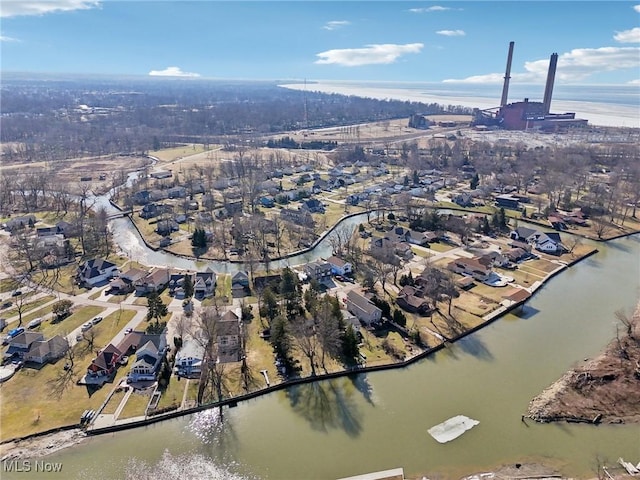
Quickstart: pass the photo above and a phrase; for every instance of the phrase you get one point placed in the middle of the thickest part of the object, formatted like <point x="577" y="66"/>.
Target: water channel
<point x="379" y="420"/>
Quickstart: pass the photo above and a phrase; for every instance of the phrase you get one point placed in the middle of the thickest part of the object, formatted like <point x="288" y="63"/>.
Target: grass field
<point x="136" y="404"/>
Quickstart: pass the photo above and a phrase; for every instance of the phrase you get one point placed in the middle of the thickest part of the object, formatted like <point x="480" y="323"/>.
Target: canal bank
<point x="378" y="420"/>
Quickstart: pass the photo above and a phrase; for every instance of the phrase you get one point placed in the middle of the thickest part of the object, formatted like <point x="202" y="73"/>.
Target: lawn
<point x="170" y="154"/>
<point x="31" y="402"/>
<point x="172" y="394"/>
<point x="8" y="284"/>
<point x="136" y="404"/>
<point x="80" y="316"/>
<point x="113" y="403"/>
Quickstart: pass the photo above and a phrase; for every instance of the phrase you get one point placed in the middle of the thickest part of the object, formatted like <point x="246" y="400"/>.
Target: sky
<point x="392" y="41"/>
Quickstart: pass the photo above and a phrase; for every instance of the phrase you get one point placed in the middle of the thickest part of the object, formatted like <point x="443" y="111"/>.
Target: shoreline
<point x="37" y="444"/>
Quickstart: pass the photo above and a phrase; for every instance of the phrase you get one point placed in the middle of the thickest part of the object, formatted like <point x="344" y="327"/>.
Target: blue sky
<point x="410" y="41"/>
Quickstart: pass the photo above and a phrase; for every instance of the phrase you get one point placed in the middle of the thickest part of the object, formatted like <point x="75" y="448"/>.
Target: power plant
<point x="527" y="115"/>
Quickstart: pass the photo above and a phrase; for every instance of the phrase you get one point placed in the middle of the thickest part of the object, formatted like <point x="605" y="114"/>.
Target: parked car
<point x="17" y="293"/>
<point x="96" y="320"/>
<point x="7" y="304"/>
<point x="15" y="332"/>
<point x="79" y="337"/>
<point x="86" y="326"/>
<point x="36" y="322"/>
<point x="128" y="330"/>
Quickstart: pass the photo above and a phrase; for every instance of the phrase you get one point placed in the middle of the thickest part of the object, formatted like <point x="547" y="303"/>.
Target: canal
<point x="378" y="421"/>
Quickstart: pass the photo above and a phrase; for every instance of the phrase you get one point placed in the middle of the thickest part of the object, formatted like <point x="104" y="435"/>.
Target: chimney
<point x="551" y="76"/>
<point x="507" y="76"/>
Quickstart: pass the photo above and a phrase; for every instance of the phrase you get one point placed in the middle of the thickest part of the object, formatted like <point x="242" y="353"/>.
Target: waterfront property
<point x="363" y="308"/>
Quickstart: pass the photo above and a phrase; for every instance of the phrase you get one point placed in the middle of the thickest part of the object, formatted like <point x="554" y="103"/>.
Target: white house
<point x="95" y="271"/>
<point x="189" y="359"/>
<point x="149" y="357"/>
<point x="339" y="266"/>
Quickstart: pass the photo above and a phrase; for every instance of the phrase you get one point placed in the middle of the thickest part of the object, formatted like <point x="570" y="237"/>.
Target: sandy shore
<point x="41" y="446"/>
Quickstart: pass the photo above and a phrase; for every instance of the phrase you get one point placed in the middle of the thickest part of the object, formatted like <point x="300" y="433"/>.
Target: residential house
<point x="189" y="359"/>
<point x="142" y="197"/>
<point x="318" y="270"/>
<point x="167" y="227"/>
<point x="267" y="202"/>
<point x="412" y="300"/>
<point x="46" y="231"/>
<point x="20" y="344"/>
<point x="240" y="284"/>
<point x="158" y="194"/>
<point x="176" y="284"/>
<point x="240" y="278"/>
<point x="228" y="337"/>
<point x="297" y="216"/>
<point x="381" y="247"/>
<point x="105" y="363"/>
<point x="524" y="234"/>
<point x="154" y="281"/>
<point x="339" y="266"/>
<point x="19" y="223"/>
<point x="160" y="174"/>
<point x="516" y="254"/>
<point x="470" y="267"/>
<point x="464" y="199"/>
<point x="149" y="357"/>
<point x="43" y="351"/>
<point x="125" y="283"/>
<point x="313" y="205"/>
<point x="95" y="271"/>
<point x="205" y="283"/>
<point x="550" y="243"/>
<point x="177" y="192"/>
<point x="319" y="185"/>
<point x="67" y="229"/>
<point x="363" y="308"/>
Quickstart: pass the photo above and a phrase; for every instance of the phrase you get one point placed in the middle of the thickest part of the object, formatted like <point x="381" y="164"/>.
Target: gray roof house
<point x="363" y="308"/>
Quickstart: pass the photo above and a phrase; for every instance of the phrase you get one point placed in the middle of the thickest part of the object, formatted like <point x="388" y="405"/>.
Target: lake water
<point x="379" y="421"/>
<point x="604" y="105"/>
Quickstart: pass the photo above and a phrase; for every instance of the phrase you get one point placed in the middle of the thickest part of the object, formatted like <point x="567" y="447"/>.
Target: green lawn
<point x="8" y="284"/>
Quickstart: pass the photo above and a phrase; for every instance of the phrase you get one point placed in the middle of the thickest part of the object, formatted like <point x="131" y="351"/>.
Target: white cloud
<point x="368" y="55"/>
<point x="172" y="72"/>
<point x="451" y="33"/>
<point x="636" y="8"/>
<point x="634" y="82"/>
<point x="628" y="36"/>
<point x="574" y="66"/>
<point x="14" y="8"/>
<point x="8" y="39"/>
<point x="434" y="8"/>
<point x="335" y="24"/>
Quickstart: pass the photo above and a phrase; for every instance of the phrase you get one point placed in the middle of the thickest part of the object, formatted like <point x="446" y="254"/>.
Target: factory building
<point x="527" y="115"/>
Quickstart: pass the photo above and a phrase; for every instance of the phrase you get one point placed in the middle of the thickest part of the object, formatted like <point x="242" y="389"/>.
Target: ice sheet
<point x="452" y="428"/>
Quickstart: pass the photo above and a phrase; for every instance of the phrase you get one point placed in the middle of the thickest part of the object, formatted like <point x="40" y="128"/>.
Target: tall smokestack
<point x="551" y="76"/>
<point x="507" y="76"/>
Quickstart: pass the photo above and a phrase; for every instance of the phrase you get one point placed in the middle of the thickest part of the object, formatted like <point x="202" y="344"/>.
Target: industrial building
<point x="527" y="115"/>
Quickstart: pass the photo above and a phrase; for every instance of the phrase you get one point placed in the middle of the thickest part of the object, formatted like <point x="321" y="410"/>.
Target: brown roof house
<point x="411" y="299"/>
<point x="228" y="333"/>
<point x="105" y="363"/>
<point x="153" y="282"/>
